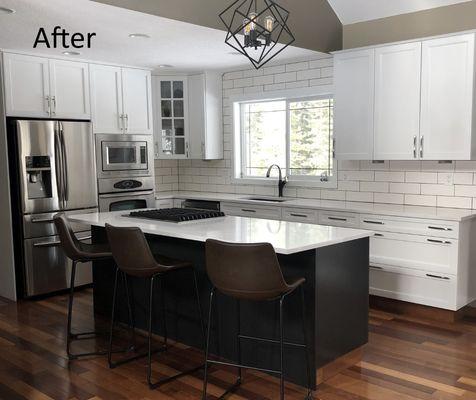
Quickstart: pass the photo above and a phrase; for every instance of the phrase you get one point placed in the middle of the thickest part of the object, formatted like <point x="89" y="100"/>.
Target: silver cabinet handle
<point x="47" y="244"/>
<point x="337" y="219"/>
<point x="374" y="222"/>
<point x="414" y="146"/>
<point x="126" y="116"/>
<point x="186" y="149"/>
<point x="438" y="241"/>
<point x="121" y="121"/>
<point x="41" y="220"/>
<point x="48" y="108"/>
<point x="248" y="210"/>
<point x="378" y="234"/>
<point x="85" y="238"/>
<point x="376" y="268"/>
<point x="298" y="215"/>
<point x="440" y="228"/>
<point x="53" y="101"/>
<point x="438" y="277"/>
<point x="421" y="146"/>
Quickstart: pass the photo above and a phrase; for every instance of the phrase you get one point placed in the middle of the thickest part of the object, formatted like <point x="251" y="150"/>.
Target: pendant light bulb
<point x="269" y="23"/>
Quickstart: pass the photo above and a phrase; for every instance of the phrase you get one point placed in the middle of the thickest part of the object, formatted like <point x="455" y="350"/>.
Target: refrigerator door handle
<point x="58" y="167"/>
<point x="65" y="164"/>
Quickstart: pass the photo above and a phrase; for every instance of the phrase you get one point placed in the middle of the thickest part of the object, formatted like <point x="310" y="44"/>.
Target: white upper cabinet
<point x="121" y="100"/>
<point x="424" y="103"/>
<point x="354" y="104"/>
<point x="397" y="101"/>
<point x="137" y="100"/>
<point x="69" y="83"/>
<point x="106" y="98"/>
<point x="447" y="98"/>
<point x="36" y="87"/>
<point x="27" y="86"/>
<point x="205" y="116"/>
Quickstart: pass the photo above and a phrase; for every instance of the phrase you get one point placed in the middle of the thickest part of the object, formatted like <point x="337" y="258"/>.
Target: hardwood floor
<point x="406" y="358"/>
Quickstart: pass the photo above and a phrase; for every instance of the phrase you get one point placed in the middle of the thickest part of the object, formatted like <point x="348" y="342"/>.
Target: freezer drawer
<point x="39" y="225"/>
<point x="47" y="269"/>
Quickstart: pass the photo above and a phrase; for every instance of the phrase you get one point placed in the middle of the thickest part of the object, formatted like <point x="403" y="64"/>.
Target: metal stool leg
<point x="238" y="317"/>
<point x="149" y="337"/>
<point x="207" y="346"/>
<point x="306" y="348"/>
<point x="70" y="336"/>
<point x="281" y="348"/>
<point x="164" y="310"/>
<point x="130" y="311"/>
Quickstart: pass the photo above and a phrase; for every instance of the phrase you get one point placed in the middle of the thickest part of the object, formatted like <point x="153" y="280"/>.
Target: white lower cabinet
<point x="423" y="261"/>
<point x="253" y="211"/>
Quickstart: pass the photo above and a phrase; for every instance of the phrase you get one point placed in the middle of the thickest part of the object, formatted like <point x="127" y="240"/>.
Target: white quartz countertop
<point x="286" y="237"/>
<point x="439" y="213"/>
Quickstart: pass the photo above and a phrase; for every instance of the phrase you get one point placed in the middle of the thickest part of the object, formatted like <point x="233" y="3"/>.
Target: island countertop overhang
<point x="286" y="237"/>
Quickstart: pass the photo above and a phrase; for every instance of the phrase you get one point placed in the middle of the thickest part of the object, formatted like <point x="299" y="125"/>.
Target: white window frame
<point x="319" y="92"/>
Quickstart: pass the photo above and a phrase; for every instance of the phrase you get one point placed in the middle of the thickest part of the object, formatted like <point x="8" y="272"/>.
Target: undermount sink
<point x="268" y="199"/>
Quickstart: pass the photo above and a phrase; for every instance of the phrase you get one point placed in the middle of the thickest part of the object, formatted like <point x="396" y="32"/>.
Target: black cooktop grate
<point x="176" y="214"/>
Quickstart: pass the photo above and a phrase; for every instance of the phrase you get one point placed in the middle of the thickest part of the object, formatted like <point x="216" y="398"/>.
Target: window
<point x="295" y="133"/>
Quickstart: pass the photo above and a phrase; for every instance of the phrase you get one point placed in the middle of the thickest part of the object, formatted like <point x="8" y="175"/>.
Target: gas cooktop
<point x="176" y="214"/>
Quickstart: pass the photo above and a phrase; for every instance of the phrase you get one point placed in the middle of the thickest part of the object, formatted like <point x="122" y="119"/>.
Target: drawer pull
<point x="376" y="268"/>
<point x="438" y="241"/>
<point x="373" y="222"/>
<point x="85" y="238"/>
<point x="378" y="234"/>
<point x="248" y="210"/>
<point x="438" y="277"/>
<point x="440" y="228"/>
<point x="298" y="215"/>
<point x="42" y="220"/>
<point x="337" y="219"/>
<point x="47" y="244"/>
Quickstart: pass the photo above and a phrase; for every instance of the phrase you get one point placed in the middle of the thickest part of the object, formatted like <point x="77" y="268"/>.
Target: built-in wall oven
<point x="125" y="172"/>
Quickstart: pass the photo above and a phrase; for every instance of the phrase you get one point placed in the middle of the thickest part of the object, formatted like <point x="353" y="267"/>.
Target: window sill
<point x="332" y="184"/>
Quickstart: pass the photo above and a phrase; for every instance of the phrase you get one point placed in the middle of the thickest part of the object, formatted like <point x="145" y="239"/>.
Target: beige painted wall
<point x="437" y="21"/>
<point x="313" y="22"/>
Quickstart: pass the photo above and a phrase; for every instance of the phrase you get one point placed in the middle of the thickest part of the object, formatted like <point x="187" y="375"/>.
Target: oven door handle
<point x="126" y="194"/>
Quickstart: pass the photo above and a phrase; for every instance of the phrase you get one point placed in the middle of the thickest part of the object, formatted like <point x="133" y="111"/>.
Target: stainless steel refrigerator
<point x="52" y="169"/>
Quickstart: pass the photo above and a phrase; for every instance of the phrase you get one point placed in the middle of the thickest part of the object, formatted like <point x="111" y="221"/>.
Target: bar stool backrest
<point x="245" y="271"/>
<point x="130" y="250"/>
<point x="69" y="242"/>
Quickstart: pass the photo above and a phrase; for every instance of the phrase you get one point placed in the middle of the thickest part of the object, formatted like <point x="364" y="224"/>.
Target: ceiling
<point x="352" y="11"/>
<point x="184" y="46"/>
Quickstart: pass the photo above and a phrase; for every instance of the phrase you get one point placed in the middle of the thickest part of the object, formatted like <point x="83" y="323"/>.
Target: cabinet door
<point x="196" y="114"/>
<point x="447" y="98"/>
<point x="397" y="101"/>
<point x="171" y="116"/>
<point x="106" y="99"/>
<point x="69" y="82"/>
<point x="354" y="105"/>
<point x="26" y="86"/>
<point x="136" y="94"/>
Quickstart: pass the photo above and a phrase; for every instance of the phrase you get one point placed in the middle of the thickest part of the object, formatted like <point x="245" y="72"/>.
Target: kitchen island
<point x="334" y="261"/>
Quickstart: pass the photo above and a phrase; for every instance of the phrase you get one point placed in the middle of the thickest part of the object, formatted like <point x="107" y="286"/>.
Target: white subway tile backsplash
<point x="454" y="202"/>
<point x="412" y="182"/>
<point x="420" y="200"/>
<point x="410" y="188"/>
<point x="421" y="177"/>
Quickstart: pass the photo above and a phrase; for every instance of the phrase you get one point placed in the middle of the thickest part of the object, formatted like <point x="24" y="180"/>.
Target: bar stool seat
<point x="251" y="271"/>
<point x="134" y="257"/>
<point x="78" y="252"/>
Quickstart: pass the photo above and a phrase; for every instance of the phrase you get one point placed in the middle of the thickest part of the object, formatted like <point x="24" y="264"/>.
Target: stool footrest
<point x="171" y="378"/>
<point x="115" y="364"/>
<point x="229" y="364"/>
<point x="271" y="341"/>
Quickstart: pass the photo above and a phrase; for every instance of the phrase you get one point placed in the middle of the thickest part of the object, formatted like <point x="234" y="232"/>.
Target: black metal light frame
<point x="272" y="42"/>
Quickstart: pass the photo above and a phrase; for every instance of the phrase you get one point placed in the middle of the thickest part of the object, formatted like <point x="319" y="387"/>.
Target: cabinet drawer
<point x="414" y="252"/>
<point x="164" y="203"/>
<point x="446" y="229"/>
<point x="431" y="289"/>
<point x="300" y="215"/>
<point x="252" y="211"/>
<point x="334" y="218"/>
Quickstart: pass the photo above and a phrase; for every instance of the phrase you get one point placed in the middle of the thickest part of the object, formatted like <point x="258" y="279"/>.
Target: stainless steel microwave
<point x="124" y="155"/>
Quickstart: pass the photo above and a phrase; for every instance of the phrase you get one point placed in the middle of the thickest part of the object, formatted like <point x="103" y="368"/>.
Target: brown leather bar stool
<point x="79" y="252"/>
<point x="134" y="258"/>
<point x="251" y="272"/>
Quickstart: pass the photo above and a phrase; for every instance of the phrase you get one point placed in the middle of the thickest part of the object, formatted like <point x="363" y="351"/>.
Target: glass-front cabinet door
<point x="171" y="110"/>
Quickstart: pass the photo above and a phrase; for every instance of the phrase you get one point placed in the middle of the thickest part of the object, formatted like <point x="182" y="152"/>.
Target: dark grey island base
<point x="336" y="294"/>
